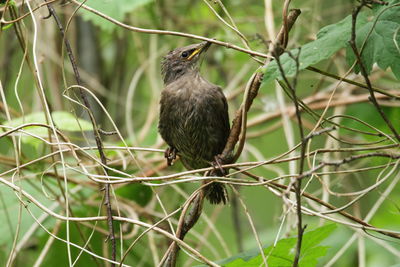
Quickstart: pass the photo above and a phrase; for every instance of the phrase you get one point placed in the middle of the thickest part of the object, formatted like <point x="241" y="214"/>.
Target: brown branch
<point x="321" y="202"/>
<point x="174" y="33"/>
<point x="394" y="95"/>
<point x="227" y="155"/>
<point x="96" y="132"/>
<point x="278" y="49"/>
<point x="297" y="183"/>
<point x="345" y="161"/>
<point x="354" y="99"/>
<point x="186" y="222"/>
<point x="362" y="156"/>
<point x="378" y="2"/>
<point x="16" y="4"/>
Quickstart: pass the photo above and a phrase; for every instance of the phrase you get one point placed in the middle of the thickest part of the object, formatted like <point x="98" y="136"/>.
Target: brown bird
<point x="194" y="119"/>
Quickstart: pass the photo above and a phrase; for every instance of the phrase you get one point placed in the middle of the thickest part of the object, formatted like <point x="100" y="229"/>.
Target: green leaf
<point x="10" y="3"/>
<point x="67" y="122"/>
<point x="116" y="9"/>
<point x="9" y="211"/>
<point x="313" y="238"/>
<point x="7" y="27"/>
<point x="284" y="251"/>
<point x="64" y="121"/>
<point x="382" y="40"/>
<point x="329" y="40"/>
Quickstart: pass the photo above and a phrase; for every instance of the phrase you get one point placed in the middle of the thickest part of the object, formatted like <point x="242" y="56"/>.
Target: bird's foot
<point x="217" y="164"/>
<point x="170" y="155"/>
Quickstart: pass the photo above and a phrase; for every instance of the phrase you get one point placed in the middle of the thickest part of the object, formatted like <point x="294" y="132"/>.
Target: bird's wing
<point x="225" y="115"/>
<point x="165" y="122"/>
<point x="221" y="121"/>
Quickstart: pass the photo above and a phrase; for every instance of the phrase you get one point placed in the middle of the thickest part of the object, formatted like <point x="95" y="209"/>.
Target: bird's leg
<point x="217" y="164"/>
<point x="170" y="155"/>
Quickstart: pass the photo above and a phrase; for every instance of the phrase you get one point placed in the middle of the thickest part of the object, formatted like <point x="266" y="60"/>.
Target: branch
<point x="328" y="205"/>
<point x="238" y="126"/>
<point x="174" y="33"/>
<point x="361" y="85"/>
<point x="304" y="140"/>
<point x="186" y="222"/>
<point x="363" y="70"/>
<point x="96" y="132"/>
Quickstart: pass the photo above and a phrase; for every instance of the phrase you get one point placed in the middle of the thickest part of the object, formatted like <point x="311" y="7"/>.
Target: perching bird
<point x="194" y="119"/>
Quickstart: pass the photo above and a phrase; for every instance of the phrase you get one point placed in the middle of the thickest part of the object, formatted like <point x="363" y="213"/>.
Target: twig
<point x="96" y="132"/>
<point x="103" y="132"/>
<point x="361" y="156"/>
<point x="236" y="130"/>
<point x="364" y="224"/>
<point x="252" y="226"/>
<point x="297" y="182"/>
<point x="277" y="51"/>
<point x="186" y="222"/>
<point x="315" y="104"/>
<point x="161" y="32"/>
<point x="336" y="77"/>
<point x="363" y="70"/>
<point x="237" y="224"/>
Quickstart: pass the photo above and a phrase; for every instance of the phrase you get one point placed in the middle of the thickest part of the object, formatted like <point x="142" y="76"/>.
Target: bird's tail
<point x="216" y="193"/>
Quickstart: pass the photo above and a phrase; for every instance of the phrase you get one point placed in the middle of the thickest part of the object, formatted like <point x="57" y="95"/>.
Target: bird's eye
<point x="185" y="54"/>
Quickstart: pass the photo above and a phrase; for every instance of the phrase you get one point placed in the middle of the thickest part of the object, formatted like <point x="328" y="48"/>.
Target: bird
<point x="194" y="119"/>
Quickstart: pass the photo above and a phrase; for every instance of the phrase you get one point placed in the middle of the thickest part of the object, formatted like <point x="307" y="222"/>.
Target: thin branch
<point x="297" y="182"/>
<point x="96" y="132"/>
<point x="186" y="222"/>
<point x="174" y="33"/>
<point x="254" y="85"/>
<point x="363" y="70"/>
<point x="362" y="85"/>
<point x="364" y="225"/>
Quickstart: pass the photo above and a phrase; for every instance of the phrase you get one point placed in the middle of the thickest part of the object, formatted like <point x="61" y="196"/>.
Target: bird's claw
<point x="170" y="155"/>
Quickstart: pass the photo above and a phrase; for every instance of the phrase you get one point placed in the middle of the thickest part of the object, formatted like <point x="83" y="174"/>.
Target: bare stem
<point x="96" y="133"/>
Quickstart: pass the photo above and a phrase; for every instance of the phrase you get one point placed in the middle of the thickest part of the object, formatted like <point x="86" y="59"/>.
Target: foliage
<point x="379" y="39"/>
<point x="64" y="121"/>
<point x="379" y="33"/>
<point x="283" y="253"/>
<point x="12" y="214"/>
<point x="329" y="40"/>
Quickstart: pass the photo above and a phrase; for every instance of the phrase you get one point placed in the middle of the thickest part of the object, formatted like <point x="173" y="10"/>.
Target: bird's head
<point x="181" y="61"/>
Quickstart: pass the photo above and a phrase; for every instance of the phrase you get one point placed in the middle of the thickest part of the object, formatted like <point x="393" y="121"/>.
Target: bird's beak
<point x="202" y="47"/>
